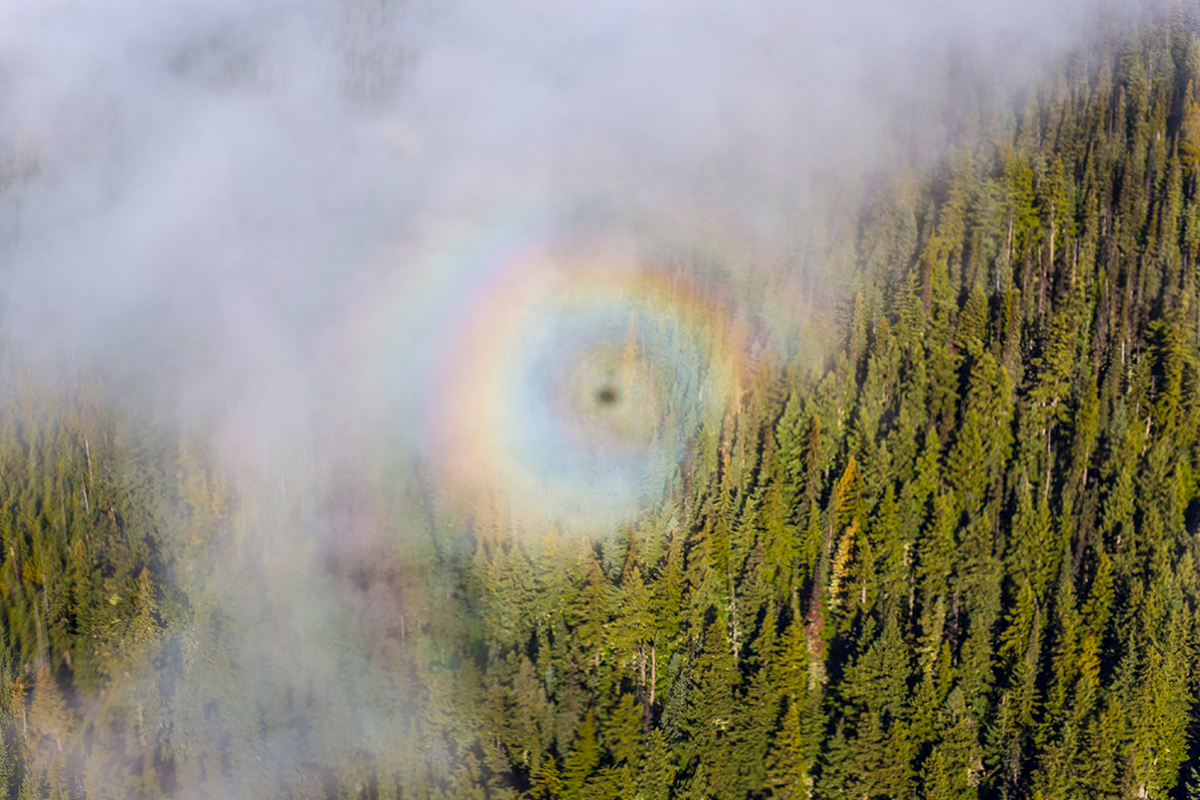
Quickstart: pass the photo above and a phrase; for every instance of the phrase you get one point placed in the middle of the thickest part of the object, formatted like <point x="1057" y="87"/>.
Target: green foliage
<point x="955" y="561"/>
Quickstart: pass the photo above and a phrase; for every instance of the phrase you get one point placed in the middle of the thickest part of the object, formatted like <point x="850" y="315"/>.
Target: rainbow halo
<point x="568" y="382"/>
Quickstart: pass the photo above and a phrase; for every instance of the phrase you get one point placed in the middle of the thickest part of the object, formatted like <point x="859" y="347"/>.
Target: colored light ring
<point x="570" y="383"/>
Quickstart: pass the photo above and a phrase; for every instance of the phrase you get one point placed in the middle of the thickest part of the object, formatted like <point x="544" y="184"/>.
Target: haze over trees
<point x="961" y="558"/>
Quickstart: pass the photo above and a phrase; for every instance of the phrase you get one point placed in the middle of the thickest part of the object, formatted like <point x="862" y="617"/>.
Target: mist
<point x="265" y="224"/>
<point x="200" y="198"/>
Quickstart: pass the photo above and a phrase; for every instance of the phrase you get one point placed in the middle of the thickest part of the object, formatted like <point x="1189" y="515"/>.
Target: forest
<point x="960" y="557"/>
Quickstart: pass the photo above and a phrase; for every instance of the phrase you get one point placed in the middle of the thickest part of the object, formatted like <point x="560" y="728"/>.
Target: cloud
<point x="197" y="155"/>
<point x="187" y="184"/>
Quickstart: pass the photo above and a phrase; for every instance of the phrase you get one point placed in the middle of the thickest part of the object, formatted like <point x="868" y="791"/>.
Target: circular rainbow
<point x="564" y="381"/>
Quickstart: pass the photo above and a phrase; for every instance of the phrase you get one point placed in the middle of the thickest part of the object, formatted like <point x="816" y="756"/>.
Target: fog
<point x="200" y="198"/>
<point x="270" y="221"/>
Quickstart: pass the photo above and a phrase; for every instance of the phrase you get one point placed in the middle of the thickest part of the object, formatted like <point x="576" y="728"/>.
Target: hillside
<point x="960" y="558"/>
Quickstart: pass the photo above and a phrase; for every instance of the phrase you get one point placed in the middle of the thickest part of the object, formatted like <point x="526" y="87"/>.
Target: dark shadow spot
<point x="607" y="395"/>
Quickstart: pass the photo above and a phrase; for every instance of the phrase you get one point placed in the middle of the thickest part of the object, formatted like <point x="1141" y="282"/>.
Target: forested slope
<point x="959" y="559"/>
